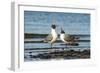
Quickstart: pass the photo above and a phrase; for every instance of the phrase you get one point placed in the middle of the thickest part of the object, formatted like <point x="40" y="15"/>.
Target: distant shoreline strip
<point x="35" y="35"/>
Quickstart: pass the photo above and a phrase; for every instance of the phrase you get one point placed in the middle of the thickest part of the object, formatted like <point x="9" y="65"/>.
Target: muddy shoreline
<point x="67" y="54"/>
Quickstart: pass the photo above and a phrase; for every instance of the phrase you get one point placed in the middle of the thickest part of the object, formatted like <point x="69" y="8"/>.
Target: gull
<point x="68" y="39"/>
<point x="51" y="38"/>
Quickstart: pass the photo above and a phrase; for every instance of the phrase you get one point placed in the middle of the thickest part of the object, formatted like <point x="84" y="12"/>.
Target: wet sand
<point x="65" y="54"/>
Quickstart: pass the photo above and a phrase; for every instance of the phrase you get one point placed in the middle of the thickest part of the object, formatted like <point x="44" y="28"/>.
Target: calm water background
<point x="72" y="23"/>
<point x="40" y="23"/>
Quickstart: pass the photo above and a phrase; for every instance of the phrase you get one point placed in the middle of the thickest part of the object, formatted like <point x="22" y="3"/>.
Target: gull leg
<point x="51" y="45"/>
<point x="69" y="44"/>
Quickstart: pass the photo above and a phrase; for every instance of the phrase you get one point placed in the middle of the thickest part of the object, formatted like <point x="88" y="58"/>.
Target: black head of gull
<point x="53" y="26"/>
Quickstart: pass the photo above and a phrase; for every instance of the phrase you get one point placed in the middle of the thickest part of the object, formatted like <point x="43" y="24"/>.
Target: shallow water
<point x="82" y="44"/>
<point x="41" y="48"/>
<point x="46" y="45"/>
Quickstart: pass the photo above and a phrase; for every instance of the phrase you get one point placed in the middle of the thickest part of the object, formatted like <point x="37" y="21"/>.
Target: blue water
<point x="72" y="23"/>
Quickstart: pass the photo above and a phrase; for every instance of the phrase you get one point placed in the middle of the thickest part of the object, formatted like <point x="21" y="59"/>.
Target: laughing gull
<point x="51" y="38"/>
<point x="68" y="39"/>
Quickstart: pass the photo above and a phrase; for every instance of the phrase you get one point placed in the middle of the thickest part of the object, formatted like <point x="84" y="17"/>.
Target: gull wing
<point x="69" y="38"/>
<point x="48" y="38"/>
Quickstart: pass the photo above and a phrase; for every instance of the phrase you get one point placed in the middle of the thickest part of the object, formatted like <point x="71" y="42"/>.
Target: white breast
<point x="54" y="35"/>
<point x="62" y="36"/>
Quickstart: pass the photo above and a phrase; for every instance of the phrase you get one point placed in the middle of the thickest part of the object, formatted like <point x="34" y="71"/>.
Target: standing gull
<point x="68" y="39"/>
<point x="51" y="38"/>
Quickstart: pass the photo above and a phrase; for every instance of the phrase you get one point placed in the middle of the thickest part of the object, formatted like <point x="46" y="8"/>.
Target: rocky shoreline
<point x="67" y="54"/>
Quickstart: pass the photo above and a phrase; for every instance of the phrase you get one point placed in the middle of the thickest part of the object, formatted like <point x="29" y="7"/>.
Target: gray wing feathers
<point x="48" y="38"/>
<point x="69" y="38"/>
